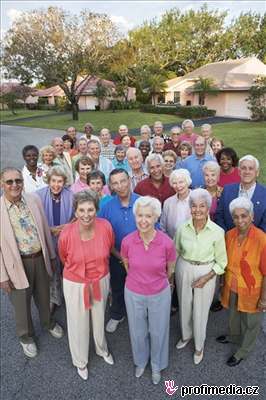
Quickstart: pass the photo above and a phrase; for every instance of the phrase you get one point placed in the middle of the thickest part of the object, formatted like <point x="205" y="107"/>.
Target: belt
<point x="199" y="262"/>
<point x="34" y="255"/>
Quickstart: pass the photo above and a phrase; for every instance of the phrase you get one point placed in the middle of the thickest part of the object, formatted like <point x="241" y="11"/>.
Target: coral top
<point x="227" y="179"/>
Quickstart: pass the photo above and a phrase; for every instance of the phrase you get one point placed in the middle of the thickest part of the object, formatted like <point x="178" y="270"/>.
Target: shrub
<point x="257" y="100"/>
<point x="189" y="112"/>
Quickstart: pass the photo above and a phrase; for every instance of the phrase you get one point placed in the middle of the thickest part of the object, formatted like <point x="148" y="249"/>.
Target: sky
<point x="127" y="14"/>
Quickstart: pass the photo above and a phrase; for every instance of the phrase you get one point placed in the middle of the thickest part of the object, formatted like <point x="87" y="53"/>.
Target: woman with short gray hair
<point x="149" y="258"/>
<point x="201" y="253"/>
<point x="211" y="173"/>
<point x="84" y="248"/>
<point x="244" y="289"/>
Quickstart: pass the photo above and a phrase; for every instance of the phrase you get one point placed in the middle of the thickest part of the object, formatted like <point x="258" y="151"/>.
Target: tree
<point x="102" y="92"/>
<point x="153" y="82"/>
<point x="13" y="94"/>
<point x="257" y="99"/>
<point x="56" y="47"/>
<point x="205" y="87"/>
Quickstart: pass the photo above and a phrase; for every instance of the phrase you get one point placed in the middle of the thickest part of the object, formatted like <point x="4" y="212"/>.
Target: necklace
<point x="56" y="199"/>
<point x="147" y="242"/>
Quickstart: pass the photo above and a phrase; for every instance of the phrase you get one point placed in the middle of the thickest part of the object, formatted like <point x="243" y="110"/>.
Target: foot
<point x="109" y="359"/>
<point x="216" y="306"/>
<point x="181" y="344"/>
<point x="83" y="373"/>
<point x="233" y="361"/>
<point x="57" y="331"/>
<point x="222" y="339"/>
<point x="139" y="371"/>
<point x="112" y="324"/>
<point x="198" y="357"/>
<point x="156" y="377"/>
<point x="29" y="349"/>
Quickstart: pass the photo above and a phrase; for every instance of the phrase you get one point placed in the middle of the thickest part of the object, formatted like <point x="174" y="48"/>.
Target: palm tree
<point x="205" y="87"/>
<point x="155" y="84"/>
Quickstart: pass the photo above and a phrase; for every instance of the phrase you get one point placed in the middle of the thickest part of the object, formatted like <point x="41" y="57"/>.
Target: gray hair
<point x="175" y="130"/>
<point x="148" y="201"/>
<point x="153" y="157"/>
<point x="202" y="194"/>
<point x="8" y="169"/>
<point x="212" y="166"/>
<point x="241" y="202"/>
<point x="187" y="121"/>
<point x="84" y="196"/>
<point x="180" y="173"/>
<point x="158" y="123"/>
<point x="249" y="157"/>
<point x="89" y="125"/>
<point x="57" y="171"/>
<point x="94" y="141"/>
<point x="145" y="128"/>
<point x="134" y="150"/>
<point x="206" y="126"/>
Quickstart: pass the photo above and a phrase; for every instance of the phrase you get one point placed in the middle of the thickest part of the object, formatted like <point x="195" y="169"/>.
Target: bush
<point x="189" y="112"/>
<point x="123" y="105"/>
<point x="257" y="100"/>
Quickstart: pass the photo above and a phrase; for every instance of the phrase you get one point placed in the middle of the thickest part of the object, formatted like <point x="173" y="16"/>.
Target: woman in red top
<point x="227" y="159"/>
<point x="84" y="248"/>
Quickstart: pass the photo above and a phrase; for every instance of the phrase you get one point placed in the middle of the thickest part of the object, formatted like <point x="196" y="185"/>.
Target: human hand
<point x="200" y="283"/>
<point x="7" y="286"/>
<point x="262" y="305"/>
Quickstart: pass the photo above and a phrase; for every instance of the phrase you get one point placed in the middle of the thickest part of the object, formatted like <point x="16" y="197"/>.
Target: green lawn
<point x="102" y="119"/>
<point x="7" y="115"/>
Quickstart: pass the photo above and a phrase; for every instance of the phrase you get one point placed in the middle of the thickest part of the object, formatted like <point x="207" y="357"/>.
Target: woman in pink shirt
<point x="83" y="166"/>
<point x="84" y="249"/>
<point x="149" y="257"/>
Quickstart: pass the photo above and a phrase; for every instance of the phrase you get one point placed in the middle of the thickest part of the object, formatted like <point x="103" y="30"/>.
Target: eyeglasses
<point x="10" y="182"/>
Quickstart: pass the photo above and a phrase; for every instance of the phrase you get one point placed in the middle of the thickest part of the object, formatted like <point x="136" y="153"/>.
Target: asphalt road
<point x="51" y="376"/>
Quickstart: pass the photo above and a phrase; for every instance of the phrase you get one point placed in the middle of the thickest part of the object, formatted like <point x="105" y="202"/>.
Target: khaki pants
<point x="243" y="328"/>
<point x="78" y="321"/>
<point x="39" y="282"/>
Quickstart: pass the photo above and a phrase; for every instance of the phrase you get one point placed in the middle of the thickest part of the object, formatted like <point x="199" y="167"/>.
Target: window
<point x="176" y="97"/>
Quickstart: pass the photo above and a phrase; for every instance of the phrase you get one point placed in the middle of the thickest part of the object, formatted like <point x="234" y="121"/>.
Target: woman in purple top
<point x="149" y="258"/>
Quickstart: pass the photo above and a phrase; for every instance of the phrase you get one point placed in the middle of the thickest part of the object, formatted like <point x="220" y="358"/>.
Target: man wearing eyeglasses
<point x="27" y="257"/>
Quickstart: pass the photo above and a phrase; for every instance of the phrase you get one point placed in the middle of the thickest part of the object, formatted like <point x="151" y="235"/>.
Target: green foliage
<point x="257" y="100"/>
<point x="181" y="111"/>
<point x="124" y="105"/>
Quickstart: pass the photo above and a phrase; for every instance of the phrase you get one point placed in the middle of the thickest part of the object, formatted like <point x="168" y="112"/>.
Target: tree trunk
<point x="75" y="111"/>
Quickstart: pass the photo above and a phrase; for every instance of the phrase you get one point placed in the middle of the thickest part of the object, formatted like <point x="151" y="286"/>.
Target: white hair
<point x="187" y="121"/>
<point x="158" y="123"/>
<point x="206" y="126"/>
<point x="175" y="130"/>
<point x="123" y="127"/>
<point x="148" y="201"/>
<point x="153" y="157"/>
<point x="180" y="173"/>
<point x="146" y="128"/>
<point x="158" y="138"/>
<point x="212" y="166"/>
<point x="202" y="194"/>
<point x="134" y="150"/>
<point x="249" y="157"/>
<point x="241" y="202"/>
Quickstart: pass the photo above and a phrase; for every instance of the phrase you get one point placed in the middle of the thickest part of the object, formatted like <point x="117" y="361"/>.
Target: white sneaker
<point x="57" y="331"/>
<point x="139" y="371"/>
<point x="29" y="349"/>
<point x="180" y="344"/>
<point x="156" y="377"/>
<point x="109" y="359"/>
<point x="198" y="358"/>
<point x="112" y="324"/>
<point x="83" y="373"/>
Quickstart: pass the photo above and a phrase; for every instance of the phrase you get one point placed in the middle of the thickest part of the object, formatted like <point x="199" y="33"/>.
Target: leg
<point x="21" y="300"/>
<point x="117" y="281"/>
<point x="159" y="307"/>
<point x="250" y="327"/>
<point x="234" y="320"/>
<point x="78" y="323"/>
<point x="137" y="314"/>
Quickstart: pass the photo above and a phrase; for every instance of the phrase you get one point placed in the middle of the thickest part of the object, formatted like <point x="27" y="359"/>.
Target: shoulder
<point x="216" y="228"/>
<point x="103" y="224"/>
<point x="130" y="238"/>
<point x="231" y="188"/>
<point x="68" y="230"/>
<point x="169" y="202"/>
<point x="163" y="238"/>
<point x="258" y="235"/>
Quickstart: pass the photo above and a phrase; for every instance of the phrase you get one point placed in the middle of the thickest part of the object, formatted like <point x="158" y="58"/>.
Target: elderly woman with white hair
<point x="211" y="173"/>
<point x="188" y="135"/>
<point x="149" y="257"/>
<point x="244" y="290"/>
<point x="201" y="255"/>
<point x="145" y="135"/>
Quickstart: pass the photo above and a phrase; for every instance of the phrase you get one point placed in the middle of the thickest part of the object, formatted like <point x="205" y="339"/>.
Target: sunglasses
<point x="10" y="182"/>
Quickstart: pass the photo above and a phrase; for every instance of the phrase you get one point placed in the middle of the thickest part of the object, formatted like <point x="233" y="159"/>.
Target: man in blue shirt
<point x="119" y="212"/>
<point x="196" y="161"/>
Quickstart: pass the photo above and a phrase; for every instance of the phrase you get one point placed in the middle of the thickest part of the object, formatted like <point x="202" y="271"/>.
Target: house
<point x="233" y="79"/>
<point x="85" y="86"/>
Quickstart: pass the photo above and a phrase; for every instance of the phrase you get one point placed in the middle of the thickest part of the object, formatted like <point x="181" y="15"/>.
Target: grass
<point x="7" y="115"/>
<point x="107" y="119"/>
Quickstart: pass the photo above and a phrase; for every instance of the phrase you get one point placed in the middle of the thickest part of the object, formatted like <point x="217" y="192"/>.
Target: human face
<point x="31" y="158"/>
<point x="188" y="129"/>
<point x="105" y="136"/>
<point x="206" y="133"/>
<point x="158" y="145"/>
<point x="123" y="130"/>
<point x="72" y="132"/>
<point x="199" y="210"/>
<point x="158" y="129"/>
<point x="216" y="146"/>
<point x="84" y="170"/>
<point x="86" y="213"/>
<point x="58" y="145"/>
<point x="145" y="148"/>
<point x="156" y="170"/>
<point x="120" y="184"/>
<point x="184" y="153"/>
<point x="226" y="163"/>
<point x="88" y="131"/>
<point x="120" y="155"/>
<point x="145" y="219"/>
<point x="169" y="163"/>
<point x="96" y="185"/>
<point x="94" y="151"/>
<point x="56" y="184"/>
<point x="200" y="147"/>
<point x="179" y="184"/>
<point x="126" y="141"/>
<point x="48" y="158"/>
<point x="83" y="147"/>
<point x="67" y="145"/>
<point x="134" y="160"/>
<point x="12" y="192"/>
<point x="242" y="219"/>
<point x="145" y="135"/>
<point x="248" y="172"/>
<point x="175" y="137"/>
<point x="211" y="178"/>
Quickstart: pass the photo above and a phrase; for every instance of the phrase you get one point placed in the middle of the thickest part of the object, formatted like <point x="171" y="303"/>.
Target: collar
<point x="131" y="201"/>
<point x="209" y="224"/>
<point x="137" y="239"/>
<point x="241" y="189"/>
<point x="9" y="204"/>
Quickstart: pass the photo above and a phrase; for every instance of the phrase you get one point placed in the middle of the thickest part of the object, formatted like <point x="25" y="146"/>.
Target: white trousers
<point x="78" y="321"/>
<point x="194" y="304"/>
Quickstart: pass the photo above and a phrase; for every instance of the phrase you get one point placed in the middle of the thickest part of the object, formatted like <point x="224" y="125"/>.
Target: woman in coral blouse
<point x="244" y="291"/>
<point x="227" y="159"/>
<point x="84" y="248"/>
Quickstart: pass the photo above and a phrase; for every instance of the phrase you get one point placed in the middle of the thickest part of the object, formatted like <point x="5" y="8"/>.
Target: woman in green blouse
<point x="201" y="253"/>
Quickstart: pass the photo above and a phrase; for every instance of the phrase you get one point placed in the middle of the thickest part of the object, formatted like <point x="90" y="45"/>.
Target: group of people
<point x="159" y="224"/>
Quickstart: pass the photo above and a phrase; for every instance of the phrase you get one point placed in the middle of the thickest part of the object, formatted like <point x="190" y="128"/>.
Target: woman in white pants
<point x="202" y="255"/>
<point x="84" y="248"/>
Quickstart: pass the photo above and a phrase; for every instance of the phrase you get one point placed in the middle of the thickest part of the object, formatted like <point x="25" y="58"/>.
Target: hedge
<point x="181" y="111"/>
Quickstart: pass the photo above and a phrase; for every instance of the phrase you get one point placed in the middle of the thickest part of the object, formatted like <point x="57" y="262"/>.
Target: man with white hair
<point x="156" y="185"/>
<point x="123" y="131"/>
<point x="107" y="146"/>
<point x="137" y="172"/>
<point x="101" y="163"/>
<point x="249" y="188"/>
<point x="206" y="132"/>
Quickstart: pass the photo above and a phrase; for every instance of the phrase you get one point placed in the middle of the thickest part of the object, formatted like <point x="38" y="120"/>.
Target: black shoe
<point x="232" y="361"/>
<point x="216" y="306"/>
<point x="222" y="339"/>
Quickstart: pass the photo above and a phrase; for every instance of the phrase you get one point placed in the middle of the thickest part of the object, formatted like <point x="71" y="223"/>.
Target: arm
<point x="5" y="283"/>
<point x="262" y="299"/>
